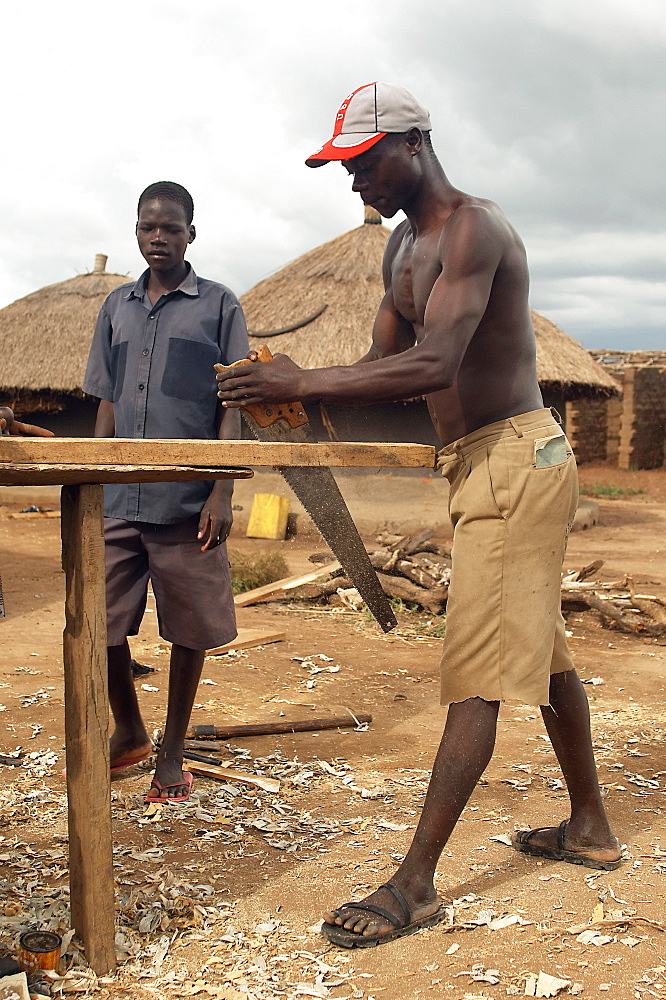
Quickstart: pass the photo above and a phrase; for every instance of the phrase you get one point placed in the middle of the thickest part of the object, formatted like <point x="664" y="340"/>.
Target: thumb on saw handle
<point x="266" y="414"/>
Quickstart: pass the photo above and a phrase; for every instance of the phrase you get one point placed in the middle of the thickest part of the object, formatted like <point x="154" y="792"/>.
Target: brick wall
<point x="587" y="429"/>
<point x="643" y="427"/>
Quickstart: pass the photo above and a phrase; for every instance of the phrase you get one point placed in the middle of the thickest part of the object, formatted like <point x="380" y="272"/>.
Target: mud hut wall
<point x="587" y="429"/>
<point x="643" y="418"/>
<point x="614" y="408"/>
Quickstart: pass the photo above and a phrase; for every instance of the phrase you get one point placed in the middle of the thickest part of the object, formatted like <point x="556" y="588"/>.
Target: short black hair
<point x="171" y="192"/>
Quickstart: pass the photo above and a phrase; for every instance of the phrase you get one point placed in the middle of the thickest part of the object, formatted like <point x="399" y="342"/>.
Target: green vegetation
<point x="248" y="572"/>
<point x="608" y="490"/>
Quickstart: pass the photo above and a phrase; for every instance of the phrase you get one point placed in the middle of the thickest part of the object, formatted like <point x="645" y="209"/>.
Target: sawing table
<point x="81" y="466"/>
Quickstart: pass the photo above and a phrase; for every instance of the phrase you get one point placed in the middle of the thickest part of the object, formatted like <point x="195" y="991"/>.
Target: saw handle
<point x="266" y="414"/>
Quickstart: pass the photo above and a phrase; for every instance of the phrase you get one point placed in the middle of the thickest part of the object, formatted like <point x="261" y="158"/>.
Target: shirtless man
<point x="455" y="325"/>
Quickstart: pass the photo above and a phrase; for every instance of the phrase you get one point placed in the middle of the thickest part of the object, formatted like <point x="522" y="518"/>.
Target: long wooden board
<point x="284" y="585"/>
<point x="97" y="452"/>
<point x="72" y="475"/>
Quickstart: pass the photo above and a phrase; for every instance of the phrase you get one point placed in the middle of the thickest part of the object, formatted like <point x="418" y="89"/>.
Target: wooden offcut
<point x="87" y="725"/>
<point x="283" y="586"/>
<point x="230" y="774"/>
<point x="248" y="638"/>
<point x="147" y="452"/>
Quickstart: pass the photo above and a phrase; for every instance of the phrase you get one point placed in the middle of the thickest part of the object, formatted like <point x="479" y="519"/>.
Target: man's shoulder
<point x="476" y="213"/>
<point x="120" y="292"/>
<point x="208" y="286"/>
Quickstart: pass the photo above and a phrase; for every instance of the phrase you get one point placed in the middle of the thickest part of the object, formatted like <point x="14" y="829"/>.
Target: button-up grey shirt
<point x="155" y="364"/>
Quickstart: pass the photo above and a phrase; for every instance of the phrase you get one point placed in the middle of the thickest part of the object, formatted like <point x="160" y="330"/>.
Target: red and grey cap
<point x="366" y="116"/>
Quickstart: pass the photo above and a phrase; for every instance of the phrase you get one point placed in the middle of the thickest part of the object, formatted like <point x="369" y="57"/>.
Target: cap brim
<point x="344" y="147"/>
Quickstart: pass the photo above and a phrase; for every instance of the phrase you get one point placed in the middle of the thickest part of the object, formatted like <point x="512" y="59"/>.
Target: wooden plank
<point x="284" y="585"/>
<point x="97" y="452"/>
<point x="229" y="774"/>
<point x="87" y="724"/>
<point x="249" y="637"/>
<point x="72" y="475"/>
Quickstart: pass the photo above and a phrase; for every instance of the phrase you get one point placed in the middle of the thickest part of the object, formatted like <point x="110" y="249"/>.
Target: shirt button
<point x="141" y="385"/>
<point x="152" y="316"/>
<point x="145" y="353"/>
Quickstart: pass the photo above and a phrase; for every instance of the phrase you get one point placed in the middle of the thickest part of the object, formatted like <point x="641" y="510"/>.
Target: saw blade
<point x="320" y="495"/>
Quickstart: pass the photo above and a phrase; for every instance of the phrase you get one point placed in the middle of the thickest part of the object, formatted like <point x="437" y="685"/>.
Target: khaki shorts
<point x="193" y="596"/>
<point x="514" y="492"/>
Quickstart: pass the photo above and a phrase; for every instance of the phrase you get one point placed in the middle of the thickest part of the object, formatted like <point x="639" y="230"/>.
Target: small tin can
<point x="39" y="950"/>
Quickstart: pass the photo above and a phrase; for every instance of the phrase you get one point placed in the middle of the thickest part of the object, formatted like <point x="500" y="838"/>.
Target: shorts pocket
<point x="550" y="451"/>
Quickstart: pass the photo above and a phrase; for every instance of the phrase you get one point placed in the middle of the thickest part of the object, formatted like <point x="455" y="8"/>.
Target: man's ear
<point x="414" y="140"/>
<point x="193" y="234"/>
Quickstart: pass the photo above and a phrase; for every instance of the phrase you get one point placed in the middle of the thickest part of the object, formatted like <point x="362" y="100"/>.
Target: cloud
<point x="553" y="110"/>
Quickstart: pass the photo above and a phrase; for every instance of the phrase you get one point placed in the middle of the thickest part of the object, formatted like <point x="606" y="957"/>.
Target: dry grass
<point x="251" y="571"/>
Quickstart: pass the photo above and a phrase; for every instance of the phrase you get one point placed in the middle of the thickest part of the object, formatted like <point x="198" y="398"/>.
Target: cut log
<point x="652" y="607"/>
<point x="441" y="548"/>
<point x="405" y="590"/>
<point x="414" y="543"/>
<point x="415" y="573"/>
<point x="611" y="613"/>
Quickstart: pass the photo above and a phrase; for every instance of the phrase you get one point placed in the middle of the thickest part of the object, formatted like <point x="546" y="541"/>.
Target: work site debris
<point x="416" y="570"/>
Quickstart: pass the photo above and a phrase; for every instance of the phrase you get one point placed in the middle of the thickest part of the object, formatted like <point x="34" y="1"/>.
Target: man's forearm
<point x="412" y="373"/>
<point x="105" y="423"/>
<point x="229" y="429"/>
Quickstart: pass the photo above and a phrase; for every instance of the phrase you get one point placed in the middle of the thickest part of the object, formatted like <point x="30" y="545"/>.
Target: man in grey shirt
<point x="151" y="366"/>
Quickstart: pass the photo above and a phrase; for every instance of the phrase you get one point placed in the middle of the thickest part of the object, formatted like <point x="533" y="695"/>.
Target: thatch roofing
<point x="45" y="337"/>
<point x="328" y="298"/>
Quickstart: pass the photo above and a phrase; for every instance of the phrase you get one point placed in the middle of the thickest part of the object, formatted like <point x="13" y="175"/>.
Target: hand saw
<point x="319" y="493"/>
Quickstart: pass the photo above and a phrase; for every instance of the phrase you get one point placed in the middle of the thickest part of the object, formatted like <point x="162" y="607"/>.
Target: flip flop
<point x="521" y="842"/>
<point x="123" y="762"/>
<point x="402" y="925"/>
<point x="169" y="799"/>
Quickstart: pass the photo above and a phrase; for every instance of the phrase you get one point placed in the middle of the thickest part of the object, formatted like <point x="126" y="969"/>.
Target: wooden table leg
<point x="87" y="725"/>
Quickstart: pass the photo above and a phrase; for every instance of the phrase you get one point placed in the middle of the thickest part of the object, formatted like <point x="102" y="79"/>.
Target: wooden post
<point x="87" y="725"/>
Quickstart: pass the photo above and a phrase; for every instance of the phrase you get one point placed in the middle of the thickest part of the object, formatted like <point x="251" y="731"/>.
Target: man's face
<point x="163" y="233"/>
<point x="384" y="175"/>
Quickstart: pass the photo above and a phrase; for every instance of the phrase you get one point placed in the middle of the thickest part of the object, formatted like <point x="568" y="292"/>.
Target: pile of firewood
<point x="416" y="569"/>
<point x="617" y="602"/>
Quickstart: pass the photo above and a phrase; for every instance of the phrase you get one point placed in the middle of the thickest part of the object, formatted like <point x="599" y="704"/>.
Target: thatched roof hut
<point x="45" y="338"/>
<point x="326" y="301"/>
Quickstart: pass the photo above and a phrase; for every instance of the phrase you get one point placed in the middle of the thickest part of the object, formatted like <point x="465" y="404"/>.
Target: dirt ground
<point x="221" y="898"/>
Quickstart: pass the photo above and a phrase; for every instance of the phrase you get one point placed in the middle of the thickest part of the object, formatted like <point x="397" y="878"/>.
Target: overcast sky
<point x="556" y="110"/>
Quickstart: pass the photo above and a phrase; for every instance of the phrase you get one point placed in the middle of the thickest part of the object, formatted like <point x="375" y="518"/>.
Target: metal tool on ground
<point x="275" y="728"/>
<point x="319" y="493"/>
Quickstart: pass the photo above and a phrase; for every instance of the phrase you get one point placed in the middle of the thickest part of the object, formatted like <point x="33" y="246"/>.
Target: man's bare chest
<point x="414" y="271"/>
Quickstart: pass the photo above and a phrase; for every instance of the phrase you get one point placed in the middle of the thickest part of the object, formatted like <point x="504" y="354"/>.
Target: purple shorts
<point x="195" y="606"/>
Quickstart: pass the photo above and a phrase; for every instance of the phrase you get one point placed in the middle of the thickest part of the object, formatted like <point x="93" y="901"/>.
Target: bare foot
<point x="129" y="747"/>
<point x="422" y="902"/>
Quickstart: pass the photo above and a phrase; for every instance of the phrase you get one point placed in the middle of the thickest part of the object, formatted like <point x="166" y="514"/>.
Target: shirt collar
<point x="188" y="286"/>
